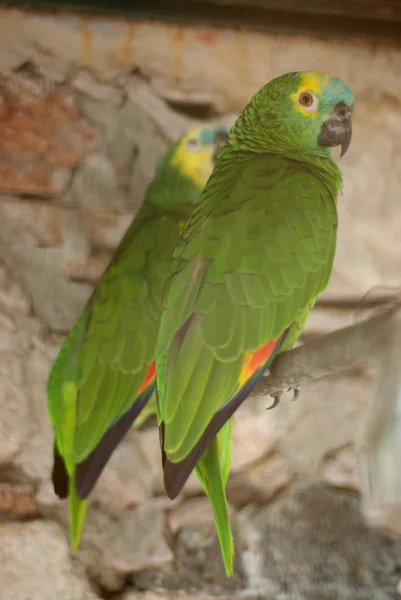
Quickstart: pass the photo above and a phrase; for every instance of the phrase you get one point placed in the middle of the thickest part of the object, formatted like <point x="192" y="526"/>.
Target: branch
<point x="337" y="351"/>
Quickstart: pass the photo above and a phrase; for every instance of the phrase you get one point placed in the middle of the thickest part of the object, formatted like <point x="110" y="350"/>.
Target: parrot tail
<point x="77" y="515"/>
<point x="89" y="470"/>
<point x="64" y="487"/>
<point x="212" y="470"/>
<point x="59" y="474"/>
<point x="176" y="474"/>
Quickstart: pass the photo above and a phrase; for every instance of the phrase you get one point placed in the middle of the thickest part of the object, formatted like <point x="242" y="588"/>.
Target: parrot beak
<point x="219" y="142"/>
<point x="337" y="130"/>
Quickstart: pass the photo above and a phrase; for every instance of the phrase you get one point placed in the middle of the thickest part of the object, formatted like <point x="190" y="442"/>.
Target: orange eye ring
<point x="305" y="99"/>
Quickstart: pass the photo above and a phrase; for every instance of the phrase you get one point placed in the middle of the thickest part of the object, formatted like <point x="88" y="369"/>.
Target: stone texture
<point x="174" y="596"/>
<point x="312" y="543"/>
<point x="85" y="83"/>
<point x="35" y="564"/>
<point x="327" y="319"/>
<point x="119" y="543"/>
<point x="34" y="461"/>
<point x="205" y="59"/>
<point x="27" y="350"/>
<point x="369" y="210"/>
<point x="135" y="136"/>
<point x="14" y="348"/>
<point x="17" y="501"/>
<point x="258" y="484"/>
<point x="194" y="513"/>
<point x="198" y="562"/>
<point x="329" y="414"/>
<point x="340" y="469"/>
<point x="43" y="138"/>
<point x="56" y="305"/>
<point x="170" y="123"/>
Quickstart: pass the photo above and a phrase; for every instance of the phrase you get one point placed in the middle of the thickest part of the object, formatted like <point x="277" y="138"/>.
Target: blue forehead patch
<point x="208" y="134"/>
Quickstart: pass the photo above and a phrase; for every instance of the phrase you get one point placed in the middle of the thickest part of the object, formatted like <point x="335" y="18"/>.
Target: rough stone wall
<point x="86" y="109"/>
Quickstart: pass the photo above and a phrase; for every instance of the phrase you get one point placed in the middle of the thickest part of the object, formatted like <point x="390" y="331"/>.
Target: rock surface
<point x="44" y="136"/>
<point x="35" y="564"/>
<point x="313" y="545"/>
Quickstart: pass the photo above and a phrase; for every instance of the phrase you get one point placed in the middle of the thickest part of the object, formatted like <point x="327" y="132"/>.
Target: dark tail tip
<point x="176" y="474"/>
<point x="174" y="479"/>
<point x="90" y="469"/>
<point x="59" y="475"/>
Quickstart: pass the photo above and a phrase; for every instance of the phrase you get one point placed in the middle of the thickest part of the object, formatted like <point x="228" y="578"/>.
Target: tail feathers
<point x="59" y="474"/>
<point x="211" y="474"/>
<point x="176" y="474"/>
<point x="77" y="515"/>
<point x="64" y="487"/>
<point x="89" y="470"/>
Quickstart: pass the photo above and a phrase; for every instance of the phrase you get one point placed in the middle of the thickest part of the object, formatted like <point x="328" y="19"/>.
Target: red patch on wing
<point x="150" y="375"/>
<point x="261" y="355"/>
<point x="254" y="360"/>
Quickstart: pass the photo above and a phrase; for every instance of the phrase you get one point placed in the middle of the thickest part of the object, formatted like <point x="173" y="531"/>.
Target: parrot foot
<point x="277" y="396"/>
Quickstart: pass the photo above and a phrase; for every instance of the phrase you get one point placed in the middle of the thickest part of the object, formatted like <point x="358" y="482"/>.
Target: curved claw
<point x="277" y="396"/>
<point x="296" y="392"/>
<point x="276" y="399"/>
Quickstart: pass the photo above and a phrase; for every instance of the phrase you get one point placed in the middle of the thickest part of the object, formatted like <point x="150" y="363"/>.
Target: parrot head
<point x="191" y="158"/>
<point x="195" y="153"/>
<point x="305" y="111"/>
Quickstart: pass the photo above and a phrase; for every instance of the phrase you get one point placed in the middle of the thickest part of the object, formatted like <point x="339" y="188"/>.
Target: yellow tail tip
<point x="77" y="517"/>
<point x="229" y="569"/>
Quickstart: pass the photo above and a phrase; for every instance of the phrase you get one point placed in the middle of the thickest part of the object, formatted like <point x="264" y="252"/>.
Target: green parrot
<point x="247" y="268"/>
<point x="105" y="371"/>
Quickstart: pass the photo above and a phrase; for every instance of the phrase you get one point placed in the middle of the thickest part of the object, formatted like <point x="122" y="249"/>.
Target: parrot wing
<point x="253" y="256"/>
<point x="105" y="370"/>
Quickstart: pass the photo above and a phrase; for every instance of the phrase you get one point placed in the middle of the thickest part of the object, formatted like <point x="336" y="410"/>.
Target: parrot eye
<point x="193" y="145"/>
<point x="308" y="101"/>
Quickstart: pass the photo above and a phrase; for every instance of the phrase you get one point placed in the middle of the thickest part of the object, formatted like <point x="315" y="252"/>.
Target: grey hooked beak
<point x="219" y="142"/>
<point x="337" y="130"/>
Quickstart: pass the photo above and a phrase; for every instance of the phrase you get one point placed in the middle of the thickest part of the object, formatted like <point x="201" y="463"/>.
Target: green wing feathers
<point x="121" y="333"/>
<point x="241" y="276"/>
<point x="108" y="353"/>
<point x="105" y="361"/>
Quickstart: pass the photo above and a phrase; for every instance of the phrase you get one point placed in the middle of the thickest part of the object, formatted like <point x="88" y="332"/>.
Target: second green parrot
<point x="246" y="271"/>
<point x="105" y="371"/>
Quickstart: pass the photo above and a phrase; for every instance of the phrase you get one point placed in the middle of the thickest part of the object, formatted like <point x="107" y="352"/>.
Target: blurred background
<point x="88" y="103"/>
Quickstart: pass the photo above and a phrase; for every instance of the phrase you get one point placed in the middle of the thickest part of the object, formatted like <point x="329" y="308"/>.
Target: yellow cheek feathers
<point x="196" y="165"/>
<point x="311" y="81"/>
